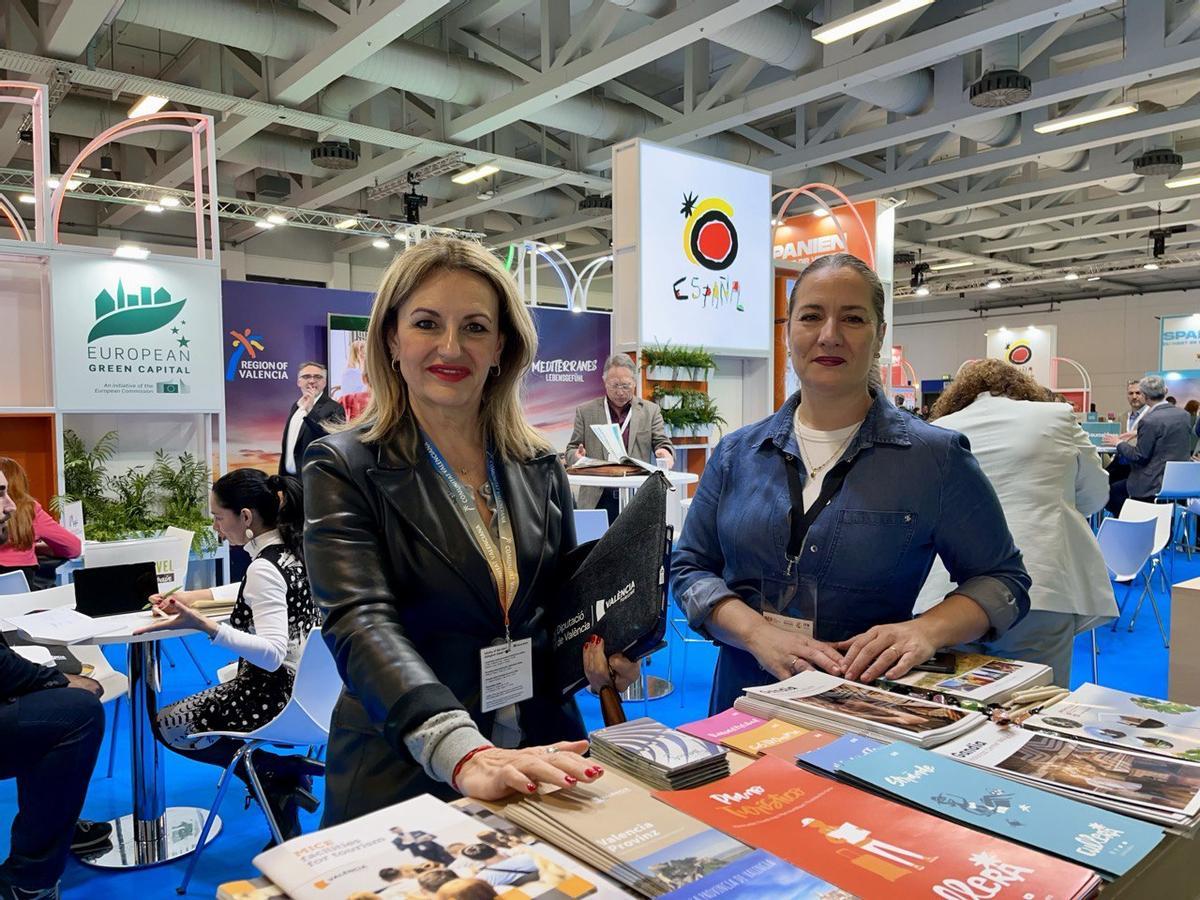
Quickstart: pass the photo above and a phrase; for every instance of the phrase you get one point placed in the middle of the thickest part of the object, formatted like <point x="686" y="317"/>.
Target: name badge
<point x="802" y="627"/>
<point x="506" y="674"/>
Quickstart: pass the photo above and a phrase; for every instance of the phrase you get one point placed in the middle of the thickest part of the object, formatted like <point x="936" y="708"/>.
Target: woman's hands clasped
<point x="603" y="671"/>
<point x="495" y="773"/>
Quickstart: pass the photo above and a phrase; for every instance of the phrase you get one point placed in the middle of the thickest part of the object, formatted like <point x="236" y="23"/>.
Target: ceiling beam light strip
<point x="1185" y="181"/>
<point x="1085" y="118"/>
<point x="873" y="15"/>
<point x="147" y="105"/>
<point x="955" y="264"/>
<point x="475" y="174"/>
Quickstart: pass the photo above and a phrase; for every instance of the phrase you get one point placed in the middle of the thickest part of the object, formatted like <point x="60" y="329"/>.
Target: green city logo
<point x="133" y="313"/>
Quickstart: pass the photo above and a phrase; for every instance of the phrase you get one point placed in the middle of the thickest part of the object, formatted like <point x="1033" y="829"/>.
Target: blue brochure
<point x="830" y="758"/>
<point x="759" y="876"/>
<point x="1088" y="835"/>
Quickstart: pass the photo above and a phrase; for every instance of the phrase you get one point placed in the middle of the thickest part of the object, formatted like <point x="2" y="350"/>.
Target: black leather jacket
<point x="408" y="603"/>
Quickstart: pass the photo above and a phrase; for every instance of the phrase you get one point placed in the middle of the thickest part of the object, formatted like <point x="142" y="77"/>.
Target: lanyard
<point x="502" y="560"/>
<point x="628" y="418"/>
<point x="801" y="520"/>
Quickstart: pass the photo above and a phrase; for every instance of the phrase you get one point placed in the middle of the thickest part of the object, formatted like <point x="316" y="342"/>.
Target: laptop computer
<point x="115" y="590"/>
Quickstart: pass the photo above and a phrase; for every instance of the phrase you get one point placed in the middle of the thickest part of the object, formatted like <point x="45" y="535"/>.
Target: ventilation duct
<point x="1001" y="83"/>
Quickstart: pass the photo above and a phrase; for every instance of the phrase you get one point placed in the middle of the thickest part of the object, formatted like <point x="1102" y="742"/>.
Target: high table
<point x="650" y="687"/>
<point x="154" y="832"/>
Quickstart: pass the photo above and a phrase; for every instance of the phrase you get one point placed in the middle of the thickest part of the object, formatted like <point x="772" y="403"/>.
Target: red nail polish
<point x="599" y="770"/>
<point x="592" y="772"/>
<point x="531" y="787"/>
<point x="571" y="779"/>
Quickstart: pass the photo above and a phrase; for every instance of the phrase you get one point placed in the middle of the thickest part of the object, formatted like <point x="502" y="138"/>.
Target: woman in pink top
<point x="31" y="527"/>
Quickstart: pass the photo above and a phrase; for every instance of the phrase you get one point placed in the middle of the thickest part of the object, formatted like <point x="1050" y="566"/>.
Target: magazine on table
<point x="615" y="826"/>
<point x="759" y="876"/>
<point x="722" y="725"/>
<point x="618" y="460"/>
<point x="832" y="757"/>
<point x="659" y="755"/>
<point x="1020" y="812"/>
<point x="1107" y="716"/>
<point x="756" y="741"/>
<point x="817" y="699"/>
<point x="792" y="750"/>
<point x="982" y="679"/>
<point x="404" y="849"/>
<point x="1156" y="788"/>
<point x="872" y="847"/>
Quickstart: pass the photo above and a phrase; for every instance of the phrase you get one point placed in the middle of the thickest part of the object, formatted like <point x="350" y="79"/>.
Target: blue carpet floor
<point x="1133" y="661"/>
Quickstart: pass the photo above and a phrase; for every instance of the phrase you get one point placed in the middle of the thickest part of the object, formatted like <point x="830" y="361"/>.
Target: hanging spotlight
<point x="993" y="285"/>
<point x="918" y="276"/>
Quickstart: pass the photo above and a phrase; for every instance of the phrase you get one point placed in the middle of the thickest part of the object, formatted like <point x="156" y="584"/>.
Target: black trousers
<point x="49" y="741"/>
<point x="1118" y="493"/>
<point x="610" y="502"/>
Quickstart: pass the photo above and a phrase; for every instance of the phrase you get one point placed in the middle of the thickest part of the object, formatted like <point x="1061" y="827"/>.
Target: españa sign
<point x="133" y="335"/>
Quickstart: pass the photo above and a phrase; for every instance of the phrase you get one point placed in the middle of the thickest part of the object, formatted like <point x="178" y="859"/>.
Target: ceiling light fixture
<point x="345" y="223"/>
<point x="277" y="219"/>
<point x="1150" y="266"/>
<point x="27" y="198"/>
<point x="151" y="103"/>
<point x="380" y="243"/>
<point x="153" y="207"/>
<point x="1185" y="181"/>
<point x="1085" y="118"/>
<point x="993" y="285"/>
<point x="168" y="202"/>
<point x="557" y="245"/>
<point x="922" y="291"/>
<point x="130" y="251"/>
<point x="1071" y="276"/>
<point x="1093" y="278"/>
<point x="875" y="14"/>
<point x="953" y="264"/>
<point x="821" y="212"/>
<point x="475" y="174"/>
<point x="264" y="224"/>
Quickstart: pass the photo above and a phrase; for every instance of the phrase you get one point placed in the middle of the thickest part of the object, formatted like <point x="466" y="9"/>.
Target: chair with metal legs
<point x="301" y="725"/>
<point x="1127" y="547"/>
<point x="1163" y="516"/>
<point x="1181" y="484"/>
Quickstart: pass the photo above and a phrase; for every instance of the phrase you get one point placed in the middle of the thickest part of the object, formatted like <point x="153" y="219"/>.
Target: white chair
<point x="1181" y="482"/>
<point x="1163" y="516"/>
<point x="302" y="724"/>
<point x="590" y="524"/>
<point x="1127" y="546"/>
<point x="13" y="583"/>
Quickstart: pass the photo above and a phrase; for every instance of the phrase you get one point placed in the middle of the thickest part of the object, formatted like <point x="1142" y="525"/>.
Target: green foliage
<point x="695" y="410"/>
<point x="137" y="503"/>
<point x="1167" y="707"/>
<point x="677" y="357"/>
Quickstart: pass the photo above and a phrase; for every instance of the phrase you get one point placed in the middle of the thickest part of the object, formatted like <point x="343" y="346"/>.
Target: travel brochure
<point x="830" y="758"/>
<point x="658" y="755"/>
<point x="791" y="751"/>
<point x="726" y="724"/>
<point x="415" y="848"/>
<point x="982" y="679"/>
<point x="760" y="876"/>
<point x="1020" y="812"/>
<point x="815" y="699"/>
<point x="869" y="846"/>
<point x="1155" y="788"/>
<point x="615" y="826"/>
<point x="1106" y="716"/>
<point x="756" y="741"/>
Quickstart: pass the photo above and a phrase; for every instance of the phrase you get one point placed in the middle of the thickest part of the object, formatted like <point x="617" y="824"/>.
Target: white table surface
<point x="629" y="481"/>
<point x="126" y="624"/>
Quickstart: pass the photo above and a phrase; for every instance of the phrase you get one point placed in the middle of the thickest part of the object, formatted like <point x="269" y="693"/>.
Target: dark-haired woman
<point x="272" y="615"/>
<point x="813" y="530"/>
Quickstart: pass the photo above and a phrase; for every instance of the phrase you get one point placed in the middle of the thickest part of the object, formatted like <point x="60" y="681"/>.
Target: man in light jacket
<point x="640" y="421"/>
<point x="1163" y="435"/>
<point x="1049" y="479"/>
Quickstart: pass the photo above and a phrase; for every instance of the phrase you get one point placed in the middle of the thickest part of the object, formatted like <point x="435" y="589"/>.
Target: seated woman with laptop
<point x="270" y="621"/>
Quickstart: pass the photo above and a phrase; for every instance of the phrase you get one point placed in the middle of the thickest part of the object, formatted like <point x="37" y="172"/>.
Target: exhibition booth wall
<point x="1114" y="339"/>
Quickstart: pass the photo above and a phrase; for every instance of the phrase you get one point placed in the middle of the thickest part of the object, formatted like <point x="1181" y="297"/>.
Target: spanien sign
<point x="134" y="335"/>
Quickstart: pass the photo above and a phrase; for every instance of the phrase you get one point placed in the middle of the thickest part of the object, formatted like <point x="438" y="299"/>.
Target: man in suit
<point x="1161" y="436"/>
<point x="307" y="417"/>
<point x="640" y="421"/>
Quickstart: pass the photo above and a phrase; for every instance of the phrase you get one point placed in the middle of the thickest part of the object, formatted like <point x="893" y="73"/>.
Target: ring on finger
<point x="792" y="664"/>
<point x="551" y="750"/>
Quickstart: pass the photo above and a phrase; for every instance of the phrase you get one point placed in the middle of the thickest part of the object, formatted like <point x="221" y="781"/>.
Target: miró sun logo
<point x="1019" y="353"/>
<point x="133" y="313"/>
<point x="709" y="236"/>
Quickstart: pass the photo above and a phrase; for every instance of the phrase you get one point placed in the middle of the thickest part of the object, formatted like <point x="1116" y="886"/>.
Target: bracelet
<point x="466" y="759"/>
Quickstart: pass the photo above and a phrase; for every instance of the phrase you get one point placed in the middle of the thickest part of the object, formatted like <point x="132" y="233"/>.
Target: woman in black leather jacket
<point x="437" y="524"/>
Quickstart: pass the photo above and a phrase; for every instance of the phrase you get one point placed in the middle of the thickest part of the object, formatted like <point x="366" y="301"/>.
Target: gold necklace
<point x="837" y="454"/>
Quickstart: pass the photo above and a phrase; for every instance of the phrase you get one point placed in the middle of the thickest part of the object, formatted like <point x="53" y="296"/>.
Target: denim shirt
<point x="913" y="492"/>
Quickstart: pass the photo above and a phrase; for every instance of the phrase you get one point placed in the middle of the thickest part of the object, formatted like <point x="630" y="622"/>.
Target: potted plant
<point x="666" y="398"/>
<point x="660" y="362"/>
<point x="699" y="364"/>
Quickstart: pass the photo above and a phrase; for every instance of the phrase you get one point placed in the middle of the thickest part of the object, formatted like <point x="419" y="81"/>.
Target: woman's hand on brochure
<point x="784" y="653"/>
<point x="886" y="651"/>
<point x="604" y="671"/>
<point x="496" y="773"/>
<point x="177" y="615"/>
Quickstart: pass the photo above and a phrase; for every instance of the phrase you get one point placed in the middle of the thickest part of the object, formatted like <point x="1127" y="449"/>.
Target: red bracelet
<point x="466" y="759"/>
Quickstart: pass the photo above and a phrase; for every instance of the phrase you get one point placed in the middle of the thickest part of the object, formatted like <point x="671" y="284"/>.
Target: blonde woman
<point x="436" y="530"/>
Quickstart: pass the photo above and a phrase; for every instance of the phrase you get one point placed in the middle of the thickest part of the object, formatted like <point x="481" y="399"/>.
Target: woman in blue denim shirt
<point x="882" y="494"/>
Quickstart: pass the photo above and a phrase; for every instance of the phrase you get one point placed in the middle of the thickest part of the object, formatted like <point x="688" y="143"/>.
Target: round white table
<point x="154" y="832"/>
<point x="655" y="688"/>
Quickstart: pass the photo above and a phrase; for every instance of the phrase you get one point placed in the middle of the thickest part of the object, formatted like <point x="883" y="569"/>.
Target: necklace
<point x="837" y="454"/>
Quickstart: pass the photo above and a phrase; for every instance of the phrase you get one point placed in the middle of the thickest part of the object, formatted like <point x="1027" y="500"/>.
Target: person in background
<point x="827" y="516"/>
<point x="640" y="421"/>
<point x="351" y="381"/>
<point x="1192" y="407"/>
<point x="1047" y="488"/>
<point x="1118" y="467"/>
<point x="307" y="418"/>
<point x="437" y="528"/>
<point x="273" y="613"/>
<point x="31" y="529"/>
<point x="1172" y="401"/>
<point x="52" y="727"/>
<point x="1163" y="434"/>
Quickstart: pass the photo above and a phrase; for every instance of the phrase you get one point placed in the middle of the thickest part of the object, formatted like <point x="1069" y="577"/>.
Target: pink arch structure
<point x="14" y="92"/>
<point x="200" y="127"/>
<point x="809" y="190"/>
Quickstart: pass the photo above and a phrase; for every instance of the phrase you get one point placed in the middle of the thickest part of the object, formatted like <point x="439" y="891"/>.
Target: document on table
<point x="61" y="626"/>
